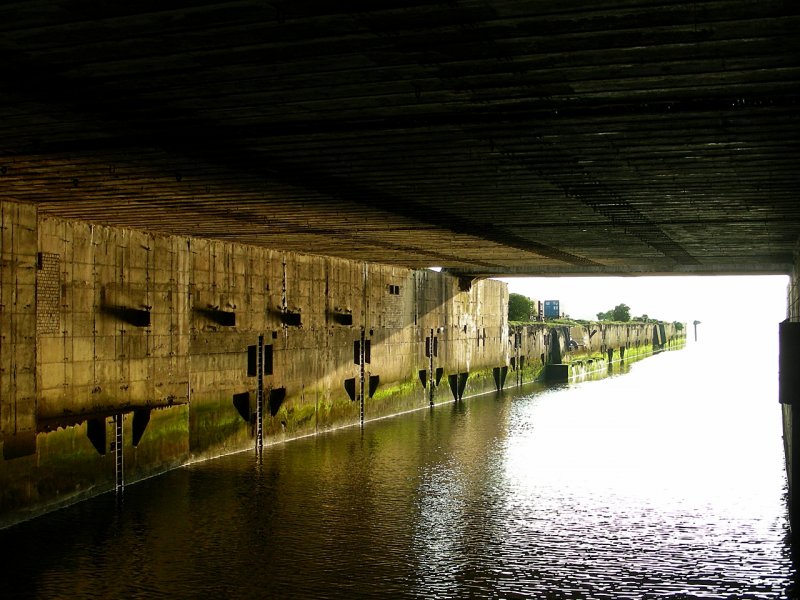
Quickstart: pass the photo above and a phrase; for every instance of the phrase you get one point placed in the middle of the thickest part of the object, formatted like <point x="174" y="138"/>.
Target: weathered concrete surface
<point x="790" y="391"/>
<point x="17" y="327"/>
<point x="102" y="321"/>
<point x="584" y="347"/>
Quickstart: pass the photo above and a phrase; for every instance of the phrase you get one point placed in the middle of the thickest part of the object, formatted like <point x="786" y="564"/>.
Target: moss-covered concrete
<point x="103" y="322"/>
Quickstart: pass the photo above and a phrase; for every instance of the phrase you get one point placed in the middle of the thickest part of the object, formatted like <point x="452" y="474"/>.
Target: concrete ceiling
<point x="488" y="137"/>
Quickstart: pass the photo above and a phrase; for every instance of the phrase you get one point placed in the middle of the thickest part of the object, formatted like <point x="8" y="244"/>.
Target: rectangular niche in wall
<point x="225" y="318"/>
<point x="291" y="319"/>
<point x="342" y="317"/>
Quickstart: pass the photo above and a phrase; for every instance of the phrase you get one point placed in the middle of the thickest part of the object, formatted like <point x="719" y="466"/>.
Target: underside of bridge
<point x="486" y="136"/>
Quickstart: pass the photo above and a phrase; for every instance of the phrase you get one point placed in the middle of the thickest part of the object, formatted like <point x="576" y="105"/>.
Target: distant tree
<point x="519" y="307"/>
<point x="621" y="312"/>
<point x="678" y="326"/>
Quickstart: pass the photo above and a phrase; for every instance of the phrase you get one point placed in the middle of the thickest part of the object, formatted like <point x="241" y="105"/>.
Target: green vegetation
<point x="521" y="311"/>
<point x="519" y="307"/>
<point x="409" y="387"/>
<point x="567" y="321"/>
<point x="621" y="313"/>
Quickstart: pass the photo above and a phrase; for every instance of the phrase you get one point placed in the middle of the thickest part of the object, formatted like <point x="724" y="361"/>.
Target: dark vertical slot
<point x="268" y="359"/>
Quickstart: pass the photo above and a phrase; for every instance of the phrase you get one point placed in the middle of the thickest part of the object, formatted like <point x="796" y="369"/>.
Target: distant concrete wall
<point x="529" y="344"/>
<point x="108" y="330"/>
<point x="99" y="322"/>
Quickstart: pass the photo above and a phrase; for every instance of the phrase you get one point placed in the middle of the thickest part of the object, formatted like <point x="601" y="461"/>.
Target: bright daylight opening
<point x="718" y="302"/>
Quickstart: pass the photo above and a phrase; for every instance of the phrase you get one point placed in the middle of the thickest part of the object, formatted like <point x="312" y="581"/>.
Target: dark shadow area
<point x="226" y="318"/>
<point x="141" y="418"/>
<point x="342" y="318"/>
<point x="276" y="398"/>
<point x="132" y="316"/>
<point x="241" y="403"/>
<point x="350" y="388"/>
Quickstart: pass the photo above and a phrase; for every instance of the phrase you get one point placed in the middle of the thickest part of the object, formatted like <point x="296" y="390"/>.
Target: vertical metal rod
<point x="118" y="454"/>
<point x="431" y="374"/>
<point x="362" y="351"/>
<point x="260" y="395"/>
<point x="362" y="372"/>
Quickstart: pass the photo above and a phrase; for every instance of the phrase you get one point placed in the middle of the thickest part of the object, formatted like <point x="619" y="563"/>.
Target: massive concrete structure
<point x="125" y="353"/>
<point x="115" y="332"/>
<point x="491" y="137"/>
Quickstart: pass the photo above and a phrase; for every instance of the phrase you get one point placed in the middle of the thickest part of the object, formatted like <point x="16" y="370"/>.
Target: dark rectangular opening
<point x="342" y="318"/>
<point x="291" y="319"/>
<point x="225" y="318"/>
<point x="132" y="316"/>
<point x="268" y="359"/>
<point x="252" y="360"/>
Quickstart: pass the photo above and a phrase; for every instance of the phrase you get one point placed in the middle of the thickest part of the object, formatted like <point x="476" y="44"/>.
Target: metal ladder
<point x="118" y="454"/>
<point x="260" y="396"/>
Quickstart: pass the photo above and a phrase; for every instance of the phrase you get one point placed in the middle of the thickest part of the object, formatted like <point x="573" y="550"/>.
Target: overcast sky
<point x="713" y="300"/>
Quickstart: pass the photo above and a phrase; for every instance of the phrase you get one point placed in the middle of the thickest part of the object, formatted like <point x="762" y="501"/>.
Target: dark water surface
<point x="665" y="482"/>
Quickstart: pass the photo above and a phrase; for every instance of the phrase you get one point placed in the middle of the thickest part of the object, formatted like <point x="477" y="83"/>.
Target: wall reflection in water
<point x="664" y="482"/>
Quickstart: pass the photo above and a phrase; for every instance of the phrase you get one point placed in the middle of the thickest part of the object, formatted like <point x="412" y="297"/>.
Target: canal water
<point x="664" y="479"/>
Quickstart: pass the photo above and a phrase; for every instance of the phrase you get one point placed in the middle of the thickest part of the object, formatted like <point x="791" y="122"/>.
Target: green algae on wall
<point x="201" y="304"/>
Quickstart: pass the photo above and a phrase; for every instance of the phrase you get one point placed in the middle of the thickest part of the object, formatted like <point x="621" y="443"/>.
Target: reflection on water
<point x="666" y="482"/>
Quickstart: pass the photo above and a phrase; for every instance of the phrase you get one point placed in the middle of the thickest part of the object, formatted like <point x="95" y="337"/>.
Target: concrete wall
<point x="101" y="323"/>
<point x="594" y="343"/>
<point x="18" y="247"/>
<point x="109" y="330"/>
<point x="790" y="390"/>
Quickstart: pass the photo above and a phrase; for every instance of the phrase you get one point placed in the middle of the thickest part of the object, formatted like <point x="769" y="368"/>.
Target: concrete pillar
<point x="789" y="396"/>
<point x="18" y="267"/>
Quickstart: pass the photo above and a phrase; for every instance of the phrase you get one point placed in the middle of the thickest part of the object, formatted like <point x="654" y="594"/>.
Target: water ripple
<point x="605" y="490"/>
